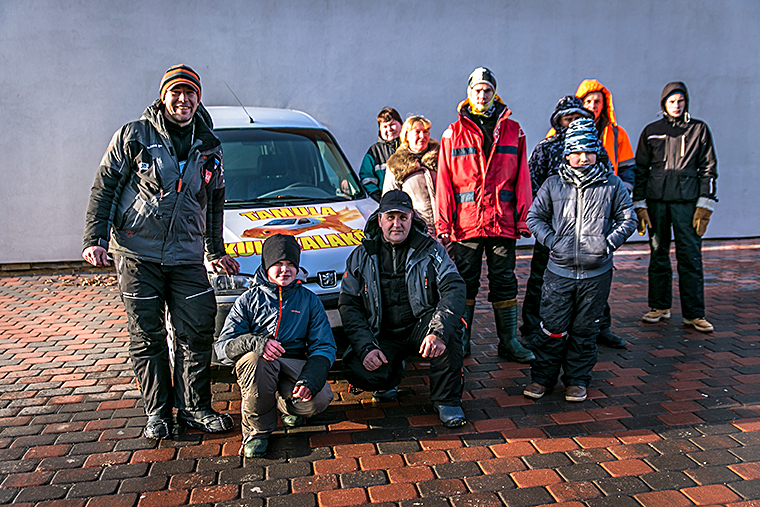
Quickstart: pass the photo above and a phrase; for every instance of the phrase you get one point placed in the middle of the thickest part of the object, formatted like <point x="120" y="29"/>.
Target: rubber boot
<point x="469" y="314"/>
<point x="505" y="313"/>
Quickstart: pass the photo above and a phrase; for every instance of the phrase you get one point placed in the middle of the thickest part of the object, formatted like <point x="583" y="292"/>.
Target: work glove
<point x="643" y="215"/>
<point x="701" y="219"/>
<point x="241" y="345"/>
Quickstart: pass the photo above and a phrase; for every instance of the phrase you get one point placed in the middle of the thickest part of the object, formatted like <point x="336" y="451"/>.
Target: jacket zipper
<point x="279" y="315"/>
<point x="578" y="216"/>
<point x="683" y="144"/>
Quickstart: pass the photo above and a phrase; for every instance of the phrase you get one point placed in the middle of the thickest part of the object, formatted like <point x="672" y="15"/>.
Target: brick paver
<point x="674" y="419"/>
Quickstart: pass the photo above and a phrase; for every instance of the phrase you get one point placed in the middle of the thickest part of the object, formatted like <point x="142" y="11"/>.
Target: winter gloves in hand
<point x="701" y="219"/>
<point x="643" y="215"/>
<point x="245" y="343"/>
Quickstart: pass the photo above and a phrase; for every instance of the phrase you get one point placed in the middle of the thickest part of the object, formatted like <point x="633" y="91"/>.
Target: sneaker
<point x="205" y="420"/>
<point x="655" y="315"/>
<point x="534" y="390"/>
<point x="292" y="421"/>
<point x="158" y="428"/>
<point x="255" y="448"/>
<point x="575" y="393"/>
<point x="700" y="324"/>
<point x="381" y="396"/>
<point x="451" y="417"/>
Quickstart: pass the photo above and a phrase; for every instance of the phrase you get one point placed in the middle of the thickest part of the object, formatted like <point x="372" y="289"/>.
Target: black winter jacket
<point x="582" y="226"/>
<point x="432" y="282"/>
<point x="675" y="158"/>
<point x="135" y="201"/>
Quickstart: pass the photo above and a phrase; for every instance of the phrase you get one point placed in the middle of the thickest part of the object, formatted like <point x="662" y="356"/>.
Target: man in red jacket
<point x="483" y="194"/>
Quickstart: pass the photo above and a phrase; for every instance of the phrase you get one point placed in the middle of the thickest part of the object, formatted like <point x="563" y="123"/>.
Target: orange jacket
<point x="613" y="136"/>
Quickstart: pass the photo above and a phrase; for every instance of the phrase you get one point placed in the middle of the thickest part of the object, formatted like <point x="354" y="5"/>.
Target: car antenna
<point x="250" y="119"/>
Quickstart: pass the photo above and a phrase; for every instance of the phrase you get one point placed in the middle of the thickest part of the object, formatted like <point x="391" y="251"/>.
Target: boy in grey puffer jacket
<point x="583" y="214"/>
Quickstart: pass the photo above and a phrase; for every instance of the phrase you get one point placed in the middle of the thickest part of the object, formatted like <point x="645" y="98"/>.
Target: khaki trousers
<point x="266" y="387"/>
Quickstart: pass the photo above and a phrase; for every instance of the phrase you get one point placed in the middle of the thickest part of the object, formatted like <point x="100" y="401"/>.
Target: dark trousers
<point x="445" y="370"/>
<point x="532" y="302"/>
<point x="147" y="290"/>
<point x="663" y="216"/>
<point x="573" y="307"/>
<point x="500" y="259"/>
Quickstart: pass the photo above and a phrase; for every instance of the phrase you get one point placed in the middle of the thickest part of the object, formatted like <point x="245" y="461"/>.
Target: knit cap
<point x="581" y="136"/>
<point x="280" y="248"/>
<point x="180" y="74"/>
<point x="481" y="75"/>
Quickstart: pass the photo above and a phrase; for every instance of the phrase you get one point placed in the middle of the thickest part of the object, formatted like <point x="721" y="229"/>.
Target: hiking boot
<point x="700" y="324"/>
<point x="255" y="448"/>
<point x="204" y="420"/>
<point x="451" y="417"/>
<point x="575" y="393"/>
<point x="606" y="338"/>
<point x="158" y="428"/>
<point x="381" y="396"/>
<point x="292" y="421"/>
<point x="534" y="390"/>
<point x="655" y="315"/>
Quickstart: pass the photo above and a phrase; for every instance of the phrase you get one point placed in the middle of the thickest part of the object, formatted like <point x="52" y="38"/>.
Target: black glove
<point x="314" y="373"/>
<point x="245" y="343"/>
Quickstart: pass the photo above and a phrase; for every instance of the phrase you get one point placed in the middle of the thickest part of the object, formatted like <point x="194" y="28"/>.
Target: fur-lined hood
<point x="403" y="163"/>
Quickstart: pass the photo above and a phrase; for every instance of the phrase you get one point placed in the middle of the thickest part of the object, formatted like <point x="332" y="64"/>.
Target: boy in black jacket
<point x="582" y="215"/>
<point x="676" y="171"/>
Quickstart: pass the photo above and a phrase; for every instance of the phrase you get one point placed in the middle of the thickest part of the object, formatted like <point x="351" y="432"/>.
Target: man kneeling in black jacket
<point x="582" y="215"/>
<point x="279" y="339"/>
<point x="402" y="295"/>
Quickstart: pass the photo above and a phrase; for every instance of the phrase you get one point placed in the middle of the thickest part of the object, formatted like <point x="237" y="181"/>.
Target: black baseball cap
<point x="395" y="200"/>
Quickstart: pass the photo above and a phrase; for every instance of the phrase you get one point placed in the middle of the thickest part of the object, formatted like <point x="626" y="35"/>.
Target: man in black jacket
<point x="402" y="295"/>
<point x="157" y="203"/>
<point x="675" y="188"/>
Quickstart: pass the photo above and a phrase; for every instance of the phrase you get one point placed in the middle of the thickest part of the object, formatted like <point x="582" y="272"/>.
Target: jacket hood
<point x="670" y="88"/>
<point x="592" y="85"/>
<point x="568" y="104"/>
<point x="403" y="163"/>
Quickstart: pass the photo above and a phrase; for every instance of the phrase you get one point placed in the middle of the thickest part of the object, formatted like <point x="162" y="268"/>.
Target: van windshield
<point x="285" y="164"/>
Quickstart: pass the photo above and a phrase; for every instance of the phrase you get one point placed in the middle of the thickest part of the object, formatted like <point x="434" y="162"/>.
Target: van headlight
<point x="235" y="283"/>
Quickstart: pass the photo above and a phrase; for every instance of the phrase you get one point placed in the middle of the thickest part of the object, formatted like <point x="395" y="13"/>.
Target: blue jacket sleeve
<point x="320" y="338"/>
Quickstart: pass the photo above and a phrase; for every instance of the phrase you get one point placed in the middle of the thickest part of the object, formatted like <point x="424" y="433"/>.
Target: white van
<point x="284" y="173"/>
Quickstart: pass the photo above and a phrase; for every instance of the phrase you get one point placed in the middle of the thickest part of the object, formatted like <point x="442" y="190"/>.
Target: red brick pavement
<point x="672" y="420"/>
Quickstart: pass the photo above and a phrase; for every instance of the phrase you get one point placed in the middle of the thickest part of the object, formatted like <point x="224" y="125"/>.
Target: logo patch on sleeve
<point x="207" y="176"/>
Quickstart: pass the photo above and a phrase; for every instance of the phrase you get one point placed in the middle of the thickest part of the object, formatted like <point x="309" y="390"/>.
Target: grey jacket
<point x="135" y="209"/>
<point x="582" y="226"/>
<point x="432" y="281"/>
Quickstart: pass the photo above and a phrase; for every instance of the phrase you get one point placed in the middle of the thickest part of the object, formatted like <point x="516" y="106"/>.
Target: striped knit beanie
<point x="180" y="74"/>
<point x="581" y="136"/>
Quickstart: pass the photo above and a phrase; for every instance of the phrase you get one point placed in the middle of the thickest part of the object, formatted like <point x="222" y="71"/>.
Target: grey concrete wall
<point x="72" y="72"/>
